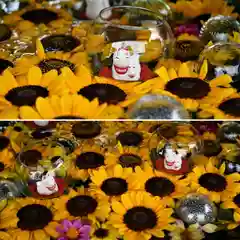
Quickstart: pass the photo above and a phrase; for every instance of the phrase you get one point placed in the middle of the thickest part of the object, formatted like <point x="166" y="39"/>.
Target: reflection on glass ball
<point x="218" y="29"/>
<point x="158" y="107"/>
<point x="196" y="208"/>
<point x="222" y="58"/>
<point x="229" y="132"/>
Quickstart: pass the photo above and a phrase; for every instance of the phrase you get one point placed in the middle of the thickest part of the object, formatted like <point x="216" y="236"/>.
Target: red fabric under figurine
<point x="60" y="186"/>
<point x="146" y="73"/>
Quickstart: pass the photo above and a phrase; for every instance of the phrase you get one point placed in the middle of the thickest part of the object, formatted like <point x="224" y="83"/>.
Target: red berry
<point x="105" y="72"/>
<point x="146" y="73"/>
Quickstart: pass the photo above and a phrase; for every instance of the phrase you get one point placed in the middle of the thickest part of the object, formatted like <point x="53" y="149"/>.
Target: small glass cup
<point x="43" y="165"/>
<point x="131" y="41"/>
<point x="172" y="147"/>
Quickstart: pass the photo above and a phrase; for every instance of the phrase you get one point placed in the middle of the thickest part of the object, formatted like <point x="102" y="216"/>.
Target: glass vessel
<point x="131" y="40"/>
<point x="172" y="147"/>
<point x="43" y="165"/>
<point x="222" y="58"/>
<point x="158" y="6"/>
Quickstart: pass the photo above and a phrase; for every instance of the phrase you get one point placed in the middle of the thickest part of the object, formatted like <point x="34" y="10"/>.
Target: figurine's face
<point x="172" y="160"/>
<point x="121" y="61"/>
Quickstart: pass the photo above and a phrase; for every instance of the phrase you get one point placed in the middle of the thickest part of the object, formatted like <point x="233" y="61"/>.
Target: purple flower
<point x="73" y="230"/>
<point x="191" y="29"/>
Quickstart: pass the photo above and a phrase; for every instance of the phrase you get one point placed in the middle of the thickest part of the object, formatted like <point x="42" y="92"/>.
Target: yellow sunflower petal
<point x="49" y="77"/>
<point x="40" y="49"/>
<point x="44" y="108"/>
<point x="163" y="73"/>
<point x="40" y="234"/>
<point x="127" y="201"/>
<point x="236" y="216"/>
<point x="203" y="70"/>
<point x="27" y="112"/>
<point x="172" y="73"/>
<point x="23" y="235"/>
<point x="118" y="208"/>
<point x="184" y="71"/>
<point x="8" y="81"/>
<point x="10" y="113"/>
<point x="228" y="204"/>
<point x="34" y="76"/>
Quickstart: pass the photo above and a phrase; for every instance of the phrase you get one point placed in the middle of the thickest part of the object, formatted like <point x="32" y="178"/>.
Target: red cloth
<point x="184" y="169"/>
<point x="61" y="187"/>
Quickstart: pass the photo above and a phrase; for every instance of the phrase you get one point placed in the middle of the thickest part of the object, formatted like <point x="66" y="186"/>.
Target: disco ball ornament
<point x="229" y="132"/>
<point x="222" y="58"/>
<point x="218" y="29"/>
<point x="155" y="106"/>
<point x="173" y="146"/>
<point x="196" y="208"/>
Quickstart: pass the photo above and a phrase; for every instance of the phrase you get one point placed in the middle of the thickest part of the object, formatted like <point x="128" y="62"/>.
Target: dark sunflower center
<point x="231" y="107"/>
<point x="188" y="87"/>
<point x="31" y="157"/>
<point x="106" y="93"/>
<point x="17" y="129"/>
<point x="4" y="142"/>
<point x="167" y="131"/>
<point x="41" y="133"/>
<point x="57" y="64"/>
<point x="80" y="206"/>
<point x="2" y="167"/>
<point x="101" y="233"/>
<point x="159" y="186"/>
<point x="236" y="200"/>
<point x="187" y="50"/>
<point x="140" y="218"/>
<point x="129" y="138"/>
<point x="130" y="160"/>
<point x="68" y="117"/>
<point x="38" y="16"/>
<point x="213" y="182"/>
<point x="211" y="148"/>
<point x="65" y="43"/>
<point x="114" y="186"/>
<point x="4" y="64"/>
<point x="86" y="130"/>
<point x="26" y="95"/>
<point x="5" y="32"/>
<point x="34" y="217"/>
<point x="89" y="160"/>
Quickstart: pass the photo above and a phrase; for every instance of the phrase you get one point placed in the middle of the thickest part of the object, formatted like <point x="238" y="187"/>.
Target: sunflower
<point x="6" y="59"/>
<point x="139" y="216"/>
<point x="203" y="9"/>
<point x="111" y="182"/>
<point x="233" y="202"/>
<point x="70" y="107"/>
<point x="86" y="159"/>
<point x="213" y="182"/>
<point x="190" y="88"/>
<point x="133" y="137"/>
<point x="103" y="231"/>
<point x="80" y="204"/>
<point x="17" y="93"/>
<point x="128" y="156"/>
<point x="27" y="218"/>
<point x="51" y="60"/>
<point x="161" y="185"/>
<point x="106" y="90"/>
<point x="35" y="20"/>
<point x="225" y="109"/>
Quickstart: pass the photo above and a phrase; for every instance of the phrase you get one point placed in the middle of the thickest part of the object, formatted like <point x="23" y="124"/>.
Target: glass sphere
<point x="218" y="29"/>
<point x="229" y="132"/>
<point x="131" y="41"/>
<point x="223" y="58"/>
<point x="158" y="6"/>
<point x="157" y="107"/>
<point x="196" y="208"/>
<point x="43" y="165"/>
<point x="172" y="147"/>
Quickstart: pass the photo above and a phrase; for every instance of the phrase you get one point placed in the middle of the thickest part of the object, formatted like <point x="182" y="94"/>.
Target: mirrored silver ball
<point x="229" y="132"/>
<point x="196" y="208"/>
